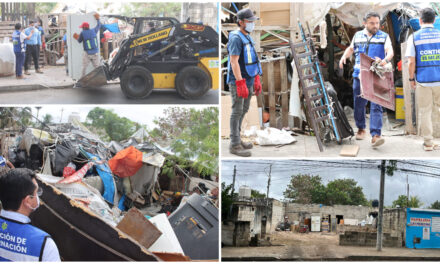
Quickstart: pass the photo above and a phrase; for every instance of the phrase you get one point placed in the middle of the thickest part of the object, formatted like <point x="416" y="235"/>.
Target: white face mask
<point x="38" y="204"/>
<point x="249" y="27"/>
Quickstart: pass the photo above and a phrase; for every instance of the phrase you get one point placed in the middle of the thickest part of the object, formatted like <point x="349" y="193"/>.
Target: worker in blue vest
<point x="19" y="240"/>
<point x="33" y="45"/>
<point x="423" y="52"/>
<point x="244" y="70"/>
<point x="4" y="162"/>
<point x="18" y="40"/>
<point x="377" y="45"/>
<point x="90" y="40"/>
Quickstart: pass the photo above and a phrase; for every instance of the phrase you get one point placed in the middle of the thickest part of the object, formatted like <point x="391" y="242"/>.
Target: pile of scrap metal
<point x="89" y="185"/>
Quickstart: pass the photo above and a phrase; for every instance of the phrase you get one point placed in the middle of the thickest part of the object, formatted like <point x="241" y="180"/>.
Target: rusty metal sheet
<point x="373" y="88"/>
<point x="136" y="225"/>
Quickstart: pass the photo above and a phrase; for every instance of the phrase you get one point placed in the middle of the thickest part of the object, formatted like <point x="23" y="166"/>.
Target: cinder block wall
<point x="201" y="12"/>
<point x="294" y="210"/>
<point x="278" y="212"/>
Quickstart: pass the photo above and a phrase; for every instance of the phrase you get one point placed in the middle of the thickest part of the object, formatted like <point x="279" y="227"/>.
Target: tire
<point x="137" y="82"/>
<point x="192" y="82"/>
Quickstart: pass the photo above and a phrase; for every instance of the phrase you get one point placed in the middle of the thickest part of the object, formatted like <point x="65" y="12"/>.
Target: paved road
<point x="108" y="94"/>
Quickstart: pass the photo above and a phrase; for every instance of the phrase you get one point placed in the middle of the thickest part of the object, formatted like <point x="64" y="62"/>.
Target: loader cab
<point x="141" y="24"/>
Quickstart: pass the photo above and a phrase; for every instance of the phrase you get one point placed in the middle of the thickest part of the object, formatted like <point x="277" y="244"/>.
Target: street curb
<point x="32" y="87"/>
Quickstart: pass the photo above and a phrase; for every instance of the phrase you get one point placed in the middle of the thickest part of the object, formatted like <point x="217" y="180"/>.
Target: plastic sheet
<point x="273" y="136"/>
<point x="7" y="58"/>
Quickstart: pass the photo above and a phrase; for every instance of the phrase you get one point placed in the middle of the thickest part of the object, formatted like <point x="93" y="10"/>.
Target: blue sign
<point x="422" y="228"/>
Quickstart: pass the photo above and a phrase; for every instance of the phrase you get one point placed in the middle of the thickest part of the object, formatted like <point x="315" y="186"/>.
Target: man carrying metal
<point x="377" y="45"/>
<point x="244" y="70"/>
<point x="90" y="43"/>
<point x="423" y="52"/>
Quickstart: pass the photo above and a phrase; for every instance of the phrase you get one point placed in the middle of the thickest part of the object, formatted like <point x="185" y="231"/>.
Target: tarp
<point x="106" y="176"/>
<point x="126" y="162"/>
<point x="415" y="24"/>
<point x="155" y="159"/>
<point x="114" y="28"/>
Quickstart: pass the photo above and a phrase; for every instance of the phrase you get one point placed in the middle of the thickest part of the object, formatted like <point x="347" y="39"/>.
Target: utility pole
<point x="407" y="192"/>
<point x="233" y="179"/>
<point x="381" y="197"/>
<point x="268" y="184"/>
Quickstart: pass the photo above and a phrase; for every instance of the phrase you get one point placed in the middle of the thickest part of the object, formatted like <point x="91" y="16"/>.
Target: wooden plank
<point x="271" y="90"/>
<point x="349" y="151"/>
<point x="409" y="128"/>
<point x="255" y="35"/>
<point x="136" y="225"/>
<point x="284" y="95"/>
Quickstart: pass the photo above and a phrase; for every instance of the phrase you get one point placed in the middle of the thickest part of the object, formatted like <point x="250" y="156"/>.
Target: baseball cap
<point x="84" y="24"/>
<point x="247" y="14"/>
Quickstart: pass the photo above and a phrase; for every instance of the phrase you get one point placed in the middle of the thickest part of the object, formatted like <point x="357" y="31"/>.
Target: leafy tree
<point x="227" y="199"/>
<point x="435" y="205"/>
<point x="193" y="135"/>
<point x="305" y="189"/>
<point x="401" y="201"/>
<point x="117" y="128"/>
<point x="257" y="194"/>
<point x="47" y="118"/>
<point x="10" y="116"/>
<point x="151" y="9"/>
<point x="346" y="192"/>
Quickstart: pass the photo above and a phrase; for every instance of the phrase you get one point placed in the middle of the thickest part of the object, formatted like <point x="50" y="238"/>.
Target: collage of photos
<point x="219" y="131"/>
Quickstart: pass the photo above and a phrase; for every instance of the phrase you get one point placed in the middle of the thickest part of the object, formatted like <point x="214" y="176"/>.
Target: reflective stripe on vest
<point x="373" y="47"/>
<point x="89" y="37"/>
<point x="251" y="61"/>
<point x="20" y="242"/>
<point x="427" y="46"/>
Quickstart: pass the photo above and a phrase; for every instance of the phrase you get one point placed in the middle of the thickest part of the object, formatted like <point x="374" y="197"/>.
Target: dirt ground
<point x="321" y="246"/>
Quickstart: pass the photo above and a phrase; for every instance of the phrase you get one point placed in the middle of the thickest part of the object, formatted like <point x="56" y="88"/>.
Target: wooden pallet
<point x="6" y="29"/>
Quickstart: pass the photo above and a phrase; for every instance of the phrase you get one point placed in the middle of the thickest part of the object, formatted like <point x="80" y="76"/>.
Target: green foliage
<point x="306" y="189"/>
<point x="47" y="118"/>
<point x="169" y="166"/>
<point x="401" y="201"/>
<point x="13" y="116"/>
<point x="346" y="192"/>
<point x="193" y="134"/>
<point x="44" y="7"/>
<point x="391" y="167"/>
<point x="227" y="200"/>
<point x="435" y="205"/>
<point x="117" y="128"/>
<point x="257" y="194"/>
<point x="152" y="9"/>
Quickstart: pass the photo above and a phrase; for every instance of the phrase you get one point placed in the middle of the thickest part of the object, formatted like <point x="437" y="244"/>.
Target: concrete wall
<point x="278" y="213"/>
<point x="367" y="239"/>
<point x="394" y="222"/>
<point x="296" y="211"/>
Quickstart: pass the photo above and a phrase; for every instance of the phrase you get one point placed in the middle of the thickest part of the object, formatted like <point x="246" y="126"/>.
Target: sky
<point x="254" y="173"/>
<point x="143" y="114"/>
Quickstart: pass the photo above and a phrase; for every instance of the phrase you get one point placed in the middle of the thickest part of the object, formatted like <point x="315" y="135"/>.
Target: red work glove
<point x="257" y="85"/>
<point x="242" y="90"/>
<point x="44" y="45"/>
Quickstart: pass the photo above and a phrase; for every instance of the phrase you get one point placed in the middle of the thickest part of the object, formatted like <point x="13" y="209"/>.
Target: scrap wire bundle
<point x="381" y="70"/>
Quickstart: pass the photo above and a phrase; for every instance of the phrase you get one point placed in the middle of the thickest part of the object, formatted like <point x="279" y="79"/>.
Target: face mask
<point x="249" y="27"/>
<point x="38" y="204"/>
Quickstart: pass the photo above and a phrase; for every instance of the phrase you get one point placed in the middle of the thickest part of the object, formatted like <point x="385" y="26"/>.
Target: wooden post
<point x="284" y="94"/>
<point x="271" y="89"/>
<point x="409" y="128"/>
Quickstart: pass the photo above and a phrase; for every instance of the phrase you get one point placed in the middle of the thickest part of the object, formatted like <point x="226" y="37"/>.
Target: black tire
<point x="192" y="82"/>
<point x="137" y="82"/>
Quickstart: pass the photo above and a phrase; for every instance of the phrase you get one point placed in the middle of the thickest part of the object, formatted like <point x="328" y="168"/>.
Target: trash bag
<point x="274" y="136"/>
<point x="64" y="154"/>
<point x="7" y="58"/>
<point x="126" y="162"/>
<point x="69" y="170"/>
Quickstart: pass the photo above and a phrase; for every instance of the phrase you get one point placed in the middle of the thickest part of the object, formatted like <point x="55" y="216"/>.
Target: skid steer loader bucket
<point x="95" y="78"/>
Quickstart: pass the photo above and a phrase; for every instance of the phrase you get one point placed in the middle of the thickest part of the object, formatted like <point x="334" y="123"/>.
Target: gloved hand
<point x="44" y="45"/>
<point x="242" y="90"/>
<point x="257" y="85"/>
<point x="75" y="36"/>
<point x="96" y="15"/>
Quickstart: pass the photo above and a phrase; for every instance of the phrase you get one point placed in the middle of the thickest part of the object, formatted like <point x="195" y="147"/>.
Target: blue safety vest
<point x="89" y="39"/>
<point x="251" y="62"/>
<point x="2" y="161"/>
<point x="373" y="47"/>
<point x="18" y="45"/>
<point x="20" y="242"/>
<point x="427" y="46"/>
